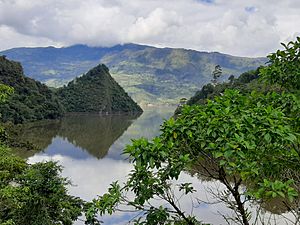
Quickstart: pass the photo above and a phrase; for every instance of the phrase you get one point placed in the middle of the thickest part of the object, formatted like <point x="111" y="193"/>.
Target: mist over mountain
<point x="148" y="74"/>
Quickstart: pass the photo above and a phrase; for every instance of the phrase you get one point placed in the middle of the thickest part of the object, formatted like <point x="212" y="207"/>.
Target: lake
<point x="89" y="147"/>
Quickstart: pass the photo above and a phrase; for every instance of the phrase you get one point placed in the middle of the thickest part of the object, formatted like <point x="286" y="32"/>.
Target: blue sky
<point x="244" y="28"/>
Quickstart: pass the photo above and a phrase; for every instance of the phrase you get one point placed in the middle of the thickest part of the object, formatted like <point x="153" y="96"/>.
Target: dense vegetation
<point x="247" y="139"/>
<point x="98" y="92"/>
<point x="148" y="74"/>
<point x="242" y="83"/>
<point x="31" y="99"/>
<point x="33" y="194"/>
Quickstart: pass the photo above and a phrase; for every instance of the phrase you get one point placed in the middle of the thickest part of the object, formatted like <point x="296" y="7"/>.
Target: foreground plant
<point x="248" y="142"/>
<point x="33" y="194"/>
<point x="284" y="66"/>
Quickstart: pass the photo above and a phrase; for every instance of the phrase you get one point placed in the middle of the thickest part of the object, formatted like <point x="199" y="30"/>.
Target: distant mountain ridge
<point x="148" y="74"/>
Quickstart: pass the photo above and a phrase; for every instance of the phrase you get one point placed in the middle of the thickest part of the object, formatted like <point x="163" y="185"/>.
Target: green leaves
<point x="284" y="66"/>
<point x="187" y="187"/>
<point x="108" y="202"/>
<point x="251" y="135"/>
<point x="5" y="92"/>
<point x="34" y="194"/>
<point x="252" y="139"/>
<point x="273" y="189"/>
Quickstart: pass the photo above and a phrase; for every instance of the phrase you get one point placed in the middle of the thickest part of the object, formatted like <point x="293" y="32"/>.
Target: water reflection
<point x="74" y="145"/>
<point x="92" y="134"/>
<point x="38" y="136"/>
<point x="89" y="148"/>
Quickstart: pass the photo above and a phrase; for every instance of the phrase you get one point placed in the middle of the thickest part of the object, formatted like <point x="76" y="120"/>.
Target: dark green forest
<point x="31" y="99"/>
<point x="96" y="91"/>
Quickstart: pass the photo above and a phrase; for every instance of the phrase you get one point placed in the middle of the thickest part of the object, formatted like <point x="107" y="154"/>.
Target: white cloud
<point x="154" y="25"/>
<point x="248" y="28"/>
<point x="9" y="38"/>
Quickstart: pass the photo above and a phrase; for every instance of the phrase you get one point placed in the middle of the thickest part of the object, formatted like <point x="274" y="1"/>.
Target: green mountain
<point x="98" y="92"/>
<point x="31" y="100"/>
<point x="148" y="74"/>
<point x="246" y="83"/>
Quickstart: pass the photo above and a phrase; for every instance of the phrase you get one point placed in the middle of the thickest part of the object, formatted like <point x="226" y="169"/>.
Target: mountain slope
<point x="148" y="74"/>
<point x="31" y="99"/>
<point x="96" y="91"/>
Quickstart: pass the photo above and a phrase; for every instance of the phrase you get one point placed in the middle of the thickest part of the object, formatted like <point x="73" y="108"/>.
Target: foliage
<point x="34" y="194"/>
<point x="97" y="91"/>
<point x="245" y="83"/>
<point x="256" y="141"/>
<point x="5" y="91"/>
<point x="248" y="140"/>
<point x="242" y="83"/>
<point x="251" y="137"/>
<point x="30" y="101"/>
<point x="284" y="66"/>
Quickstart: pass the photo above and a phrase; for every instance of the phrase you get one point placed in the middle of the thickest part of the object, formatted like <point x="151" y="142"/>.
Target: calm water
<point x="89" y="148"/>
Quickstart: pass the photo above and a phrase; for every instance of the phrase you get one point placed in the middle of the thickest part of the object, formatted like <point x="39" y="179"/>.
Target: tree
<point x="231" y="79"/>
<point x="5" y="92"/>
<point x="31" y="99"/>
<point x="250" y="140"/>
<point x="33" y="194"/>
<point x="216" y="74"/>
<point x="284" y="66"/>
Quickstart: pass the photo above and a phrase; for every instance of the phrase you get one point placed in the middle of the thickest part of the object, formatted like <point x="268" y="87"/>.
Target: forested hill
<point x="98" y="92"/>
<point x="31" y="100"/>
<point x="245" y="83"/>
<point x="148" y="74"/>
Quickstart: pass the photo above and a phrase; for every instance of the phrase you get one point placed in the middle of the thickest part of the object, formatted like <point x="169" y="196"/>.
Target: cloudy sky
<point x="238" y="27"/>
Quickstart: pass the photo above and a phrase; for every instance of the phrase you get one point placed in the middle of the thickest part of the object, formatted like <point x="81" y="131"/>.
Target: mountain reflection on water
<point x="89" y="147"/>
<point x="91" y="133"/>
